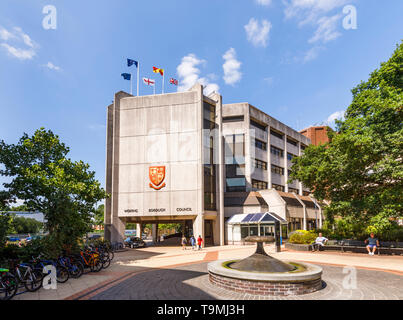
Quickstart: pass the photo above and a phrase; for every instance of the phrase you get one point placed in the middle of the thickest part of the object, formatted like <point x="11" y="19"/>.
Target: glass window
<point x="258" y="125"/>
<point x="253" y="230"/>
<point x="294" y="143"/>
<point x="244" y="231"/>
<point x="278" y="187"/>
<point x="260" y="144"/>
<point x="235" y="184"/>
<point x="232" y="119"/>
<point x="235" y="149"/>
<point x="256" y="184"/>
<point x="260" y="164"/>
<point x="276" y="169"/>
<point x="290" y="156"/>
<point x="277" y="152"/>
<point x="276" y="134"/>
<point x="293" y="190"/>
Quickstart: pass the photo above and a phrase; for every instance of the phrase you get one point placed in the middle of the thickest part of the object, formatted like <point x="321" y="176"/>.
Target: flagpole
<point x="163" y="81"/>
<point x="154" y="88"/>
<point x="138" y="77"/>
<point x="131" y="84"/>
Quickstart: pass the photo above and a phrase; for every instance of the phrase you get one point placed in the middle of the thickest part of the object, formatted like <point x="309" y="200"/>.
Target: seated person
<point x="319" y="242"/>
<point x="373" y="243"/>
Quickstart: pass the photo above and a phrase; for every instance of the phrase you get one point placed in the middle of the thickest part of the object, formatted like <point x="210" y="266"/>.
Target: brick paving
<point x="191" y="282"/>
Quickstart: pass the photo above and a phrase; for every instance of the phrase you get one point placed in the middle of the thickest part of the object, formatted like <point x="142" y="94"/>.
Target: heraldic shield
<point x="157" y="176"/>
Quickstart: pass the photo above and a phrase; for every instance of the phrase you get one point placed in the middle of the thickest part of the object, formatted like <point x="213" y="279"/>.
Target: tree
<point x="65" y="191"/>
<point x="26" y="225"/>
<point x="361" y="169"/>
<point x="99" y="215"/>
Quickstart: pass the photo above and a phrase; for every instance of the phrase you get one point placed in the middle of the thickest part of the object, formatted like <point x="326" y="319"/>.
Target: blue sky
<point x="292" y="58"/>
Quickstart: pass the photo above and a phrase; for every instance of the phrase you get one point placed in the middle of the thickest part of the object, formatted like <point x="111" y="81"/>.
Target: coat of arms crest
<point x="157" y="176"/>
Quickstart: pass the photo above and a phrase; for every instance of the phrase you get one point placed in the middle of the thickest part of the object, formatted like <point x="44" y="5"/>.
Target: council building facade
<point x="186" y="157"/>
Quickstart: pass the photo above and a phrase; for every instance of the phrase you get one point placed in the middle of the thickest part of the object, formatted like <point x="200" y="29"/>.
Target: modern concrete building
<point x="182" y="157"/>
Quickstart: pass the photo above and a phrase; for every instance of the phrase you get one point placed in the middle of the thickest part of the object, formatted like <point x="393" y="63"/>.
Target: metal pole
<point x="138" y="77"/>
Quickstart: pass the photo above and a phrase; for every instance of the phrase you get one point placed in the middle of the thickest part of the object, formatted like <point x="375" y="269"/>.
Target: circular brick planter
<point x="289" y="283"/>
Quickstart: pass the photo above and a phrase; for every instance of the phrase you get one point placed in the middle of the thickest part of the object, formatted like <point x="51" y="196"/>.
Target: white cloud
<point x="264" y="2"/>
<point x="51" y="66"/>
<point x="258" y="34"/>
<point x="17" y="36"/>
<point x="312" y="54"/>
<point x="327" y="29"/>
<point x="22" y="54"/>
<point x="338" y="115"/>
<point x="231" y="67"/>
<point x="189" y="74"/>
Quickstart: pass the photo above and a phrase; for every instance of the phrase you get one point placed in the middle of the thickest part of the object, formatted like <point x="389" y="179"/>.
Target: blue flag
<point x="131" y="62"/>
<point x="127" y="76"/>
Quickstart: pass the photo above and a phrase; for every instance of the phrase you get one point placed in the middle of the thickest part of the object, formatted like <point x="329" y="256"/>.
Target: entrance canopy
<point x="256" y="218"/>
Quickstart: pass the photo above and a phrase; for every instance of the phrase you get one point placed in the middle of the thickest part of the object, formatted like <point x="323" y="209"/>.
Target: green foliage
<point x="99" y="215"/>
<point x="302" y="237"/>
<point x="65" y="191"/>
<point x="5" y="226"/>
<point x="26" y="225"/>
<point x="361" y="170"/>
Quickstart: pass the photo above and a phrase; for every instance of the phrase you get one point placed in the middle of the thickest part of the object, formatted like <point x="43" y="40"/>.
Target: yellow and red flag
<point x="158" y="70"/>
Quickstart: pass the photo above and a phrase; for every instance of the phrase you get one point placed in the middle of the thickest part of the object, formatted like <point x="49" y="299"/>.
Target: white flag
<point x="149" y="82"/>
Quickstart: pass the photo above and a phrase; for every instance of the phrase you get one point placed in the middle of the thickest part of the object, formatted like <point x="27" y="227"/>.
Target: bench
<point x="356" y="246"/>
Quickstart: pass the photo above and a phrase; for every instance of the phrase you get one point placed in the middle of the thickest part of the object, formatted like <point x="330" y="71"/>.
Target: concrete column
<point x="154" y="232"/>
<point x="198" y="226"/>
<point x="248" y="147"/>
<point x="138" y="230"/>
<point x="219" y="222"/>
<point x="304" y="227"/>
<point x="269" y="181"/>
<point x="299" y="183"/>
<point x="285" y="164"/>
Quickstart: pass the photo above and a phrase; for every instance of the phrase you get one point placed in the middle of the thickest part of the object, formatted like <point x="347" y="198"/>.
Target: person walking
<point x="193" y="242"/>
<point x="199" y="242"/>
<point x="183" y="242"/>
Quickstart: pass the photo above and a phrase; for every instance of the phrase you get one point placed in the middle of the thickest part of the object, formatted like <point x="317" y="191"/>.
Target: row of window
<point x="276" y="169"/>
<point x="257" y="184"/>
<point x="260" y="164"/>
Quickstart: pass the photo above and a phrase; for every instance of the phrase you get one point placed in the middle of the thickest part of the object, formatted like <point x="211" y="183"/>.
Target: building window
<point x="260" y="164"/>
<point x="260" y="144"/>
<point x="235" y="184"/>
<point x="256" y="184"/>
<point x="294" y="143"/>
<point x="293" y="190"/>
<point x="258" y="125"/>
<point x="276" y="134"/>
<point x="276" y="169"/>
<point x="303" y="147"/>
<point x="290" y="156"/>
<point x="277" y="152"/>
<point x="209" y="167"/>
<point x="235" y="149"/>
<point x="278" y="187"/>
<point x="233" y="119"/>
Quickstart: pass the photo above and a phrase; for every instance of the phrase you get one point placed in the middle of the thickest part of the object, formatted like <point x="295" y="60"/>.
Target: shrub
<point x="302" y="237"/>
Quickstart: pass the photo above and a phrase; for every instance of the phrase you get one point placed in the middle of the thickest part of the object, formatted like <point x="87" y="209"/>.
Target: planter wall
<point x="298" y="247"/>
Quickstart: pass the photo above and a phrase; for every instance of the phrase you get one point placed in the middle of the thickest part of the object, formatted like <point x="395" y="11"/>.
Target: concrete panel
<point x="130" y="176"/>
<point x="183" y="118"/>
<point x="184" y="146"/>
<point x="132" y="122"/>
<point x="277" y="142"/>
<point x="184" y="176"/>
<point x="157" y="120"/>
<point x="157" y="203"/>
<point x="132" y="150"/>
<point x="157" y="148"/>
<point x="184" y="202"/>
<point x="130" y="204"/>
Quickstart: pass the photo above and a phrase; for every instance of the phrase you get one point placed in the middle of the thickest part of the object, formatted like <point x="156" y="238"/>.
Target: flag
<point x="173" y="81"/>
<point x="149" y="82"/>
<point x="131" y="62"/>
<point x="157" y="70"/>
<point x="126" y="76"/>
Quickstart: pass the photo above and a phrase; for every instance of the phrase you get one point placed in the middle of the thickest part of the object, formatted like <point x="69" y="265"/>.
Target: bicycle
<point x="62" y="273"/>
<point x="8" y="285"/>
<point x="27" y="275"/>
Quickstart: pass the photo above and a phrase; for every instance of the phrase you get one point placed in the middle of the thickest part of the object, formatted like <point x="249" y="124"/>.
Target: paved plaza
<point x="174" y="274"/>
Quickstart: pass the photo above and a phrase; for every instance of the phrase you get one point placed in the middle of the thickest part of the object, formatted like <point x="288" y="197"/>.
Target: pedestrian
<point x="183" y="242"/>
<point x="320" y="241"/>
<point x="199" y="242"/>
<point x="193" y="242"/>
<point x="373" y="243"/>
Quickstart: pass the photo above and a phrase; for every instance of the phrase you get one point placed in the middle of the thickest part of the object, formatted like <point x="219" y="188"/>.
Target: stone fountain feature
<point x="261" y="274"/>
